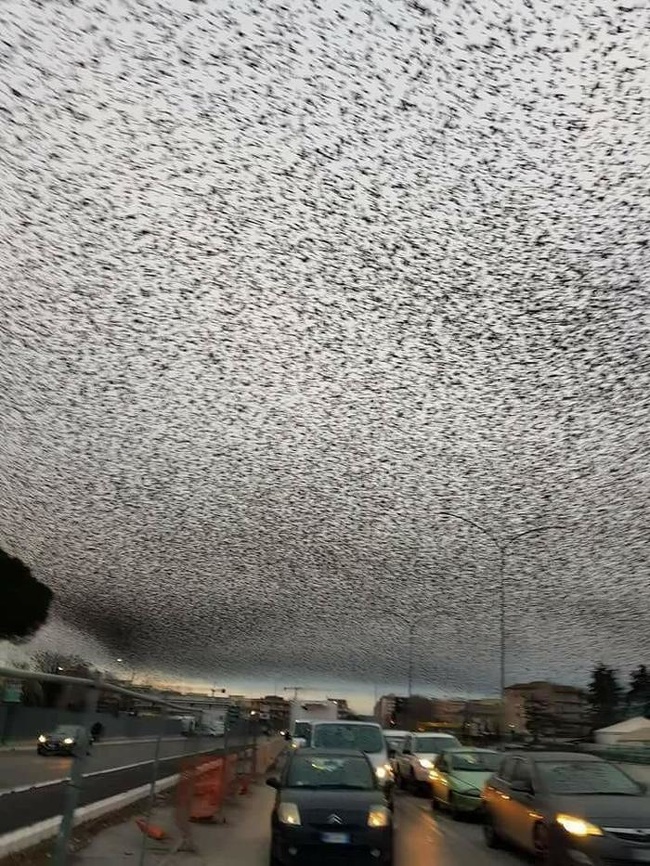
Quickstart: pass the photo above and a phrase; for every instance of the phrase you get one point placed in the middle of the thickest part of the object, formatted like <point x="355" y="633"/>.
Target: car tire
<point x="490" y="835"/>
<point x="541" y="845"/>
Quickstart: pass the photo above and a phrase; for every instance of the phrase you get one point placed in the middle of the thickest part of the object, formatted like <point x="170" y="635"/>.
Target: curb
<point x="28" y="837"/>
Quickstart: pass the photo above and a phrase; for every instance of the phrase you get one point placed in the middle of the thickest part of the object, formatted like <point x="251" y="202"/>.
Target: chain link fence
<point x="100" y="746"/>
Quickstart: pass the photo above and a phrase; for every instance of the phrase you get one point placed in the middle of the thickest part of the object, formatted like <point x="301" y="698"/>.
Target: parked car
<point x="458" y="777"/>
<point x="64" y="740"/>
<point x="329" y="808"/>
<point x="568" y="808"/>
<point x="416" y="759"/>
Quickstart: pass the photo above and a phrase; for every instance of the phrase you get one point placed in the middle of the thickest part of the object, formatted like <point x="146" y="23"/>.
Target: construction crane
<point x="295" y="690"/>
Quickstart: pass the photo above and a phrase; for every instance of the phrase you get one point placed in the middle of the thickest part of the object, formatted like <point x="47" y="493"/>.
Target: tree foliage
<point x="24" y="600"/>
<point x="605" y="697"/>
<point x="638" y="694"/>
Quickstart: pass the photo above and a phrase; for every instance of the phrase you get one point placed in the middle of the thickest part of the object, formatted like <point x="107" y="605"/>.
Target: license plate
<point x="336" y="838"/>
<point x="641" y="856"/>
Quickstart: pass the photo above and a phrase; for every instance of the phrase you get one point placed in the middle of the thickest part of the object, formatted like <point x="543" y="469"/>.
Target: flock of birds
<point x="286" y="282"/>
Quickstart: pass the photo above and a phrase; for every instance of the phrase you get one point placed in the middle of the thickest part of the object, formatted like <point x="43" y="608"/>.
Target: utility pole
<point x="502" y="545"/>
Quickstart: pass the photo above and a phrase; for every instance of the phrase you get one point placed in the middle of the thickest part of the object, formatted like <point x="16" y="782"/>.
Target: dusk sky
<point x="282" y="282"/>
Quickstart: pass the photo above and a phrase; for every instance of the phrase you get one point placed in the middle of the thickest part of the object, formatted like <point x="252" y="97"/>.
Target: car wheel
<point x="541" y="844"/>
<point x="454" y="811"/>
<point x="492" y="838"/>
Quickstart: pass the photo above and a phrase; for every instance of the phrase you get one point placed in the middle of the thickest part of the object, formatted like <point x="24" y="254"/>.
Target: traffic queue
<point x="335" y="798"/>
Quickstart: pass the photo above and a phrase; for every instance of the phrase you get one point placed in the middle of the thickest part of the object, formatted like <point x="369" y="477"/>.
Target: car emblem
<point x="334" y="819"/>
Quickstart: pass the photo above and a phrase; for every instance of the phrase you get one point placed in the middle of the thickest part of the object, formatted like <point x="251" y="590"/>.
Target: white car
<point x="414" y="763"/>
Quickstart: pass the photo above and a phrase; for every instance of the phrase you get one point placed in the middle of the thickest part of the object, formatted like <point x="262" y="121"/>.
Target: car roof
<point x="433" y="734"/>
<point x="471" y="749"/>
<point x="392" y="732"/>
<point x="344" y="722"/>
<point x="554" y="756"/>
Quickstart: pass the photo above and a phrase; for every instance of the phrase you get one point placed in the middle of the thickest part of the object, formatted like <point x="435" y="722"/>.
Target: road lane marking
<point x="104" y="772"/>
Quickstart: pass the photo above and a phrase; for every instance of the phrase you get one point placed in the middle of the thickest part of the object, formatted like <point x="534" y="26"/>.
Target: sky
<point x="282" y="283"/>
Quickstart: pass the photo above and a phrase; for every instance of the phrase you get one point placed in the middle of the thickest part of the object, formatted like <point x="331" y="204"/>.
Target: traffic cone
<point x="153" y="831"/>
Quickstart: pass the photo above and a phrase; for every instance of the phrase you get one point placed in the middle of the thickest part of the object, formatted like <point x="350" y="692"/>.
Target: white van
<point x="367" y="737"/>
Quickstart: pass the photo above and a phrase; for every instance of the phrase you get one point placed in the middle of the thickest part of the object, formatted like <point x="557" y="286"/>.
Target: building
<point x="384" y="710"/>
<point x="551" y="708"/>
<point x="272" y="709"/>
<point x="343" y="710"/>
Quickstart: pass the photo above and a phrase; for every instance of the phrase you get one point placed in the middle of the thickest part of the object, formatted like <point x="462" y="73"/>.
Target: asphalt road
<point x="33" y="786"/>
<point x="424" y="838"/>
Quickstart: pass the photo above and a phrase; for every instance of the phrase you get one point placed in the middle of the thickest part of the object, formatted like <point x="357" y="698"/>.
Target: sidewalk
<point x="243" y="840"/>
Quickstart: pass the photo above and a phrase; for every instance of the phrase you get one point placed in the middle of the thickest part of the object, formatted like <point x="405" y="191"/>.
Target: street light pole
<point x="502" y="546"/>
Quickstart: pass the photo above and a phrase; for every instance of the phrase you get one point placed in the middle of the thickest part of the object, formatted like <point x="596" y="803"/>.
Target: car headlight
<point x="384" y="772"/>
<point x="42" y="739"/>
<point x="578" y="826"/>
<point x="379" y="816"/>
<point x="68" y="741"/>
<point x="288" y="813"/>
<point x="425" y="763"/>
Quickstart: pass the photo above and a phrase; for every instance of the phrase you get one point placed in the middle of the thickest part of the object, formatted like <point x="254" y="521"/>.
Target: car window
<point x="396" y="743"/>
<point x="585" y="777"/>
<point x="480" y="762"/>
<point x="507" y="768"/>
<point x="323" y="772"/>
<point x="433" y="745"/>
<point x="407" y="744"/>
<point x="522" y="773"/>
<point x="365" y="738"/>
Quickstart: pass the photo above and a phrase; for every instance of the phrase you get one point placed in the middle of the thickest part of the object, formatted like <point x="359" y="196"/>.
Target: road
<point x="33" y="786"/>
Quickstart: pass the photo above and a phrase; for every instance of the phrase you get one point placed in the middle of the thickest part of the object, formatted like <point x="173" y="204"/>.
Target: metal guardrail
<point x="92" y="688"/>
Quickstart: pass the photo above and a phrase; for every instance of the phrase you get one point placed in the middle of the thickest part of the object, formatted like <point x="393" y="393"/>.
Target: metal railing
<point x="20" y="724"/>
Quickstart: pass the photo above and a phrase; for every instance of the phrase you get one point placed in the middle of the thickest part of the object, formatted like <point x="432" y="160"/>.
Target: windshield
<point x="345" y="772"/>
<point x="396" y="743"/>
<point x="483" y="762"/>
<point x="302" y="730"/>
<point x="366" y="738"/>
<point x="585" y="777"/>
<point x="434" y="745"/>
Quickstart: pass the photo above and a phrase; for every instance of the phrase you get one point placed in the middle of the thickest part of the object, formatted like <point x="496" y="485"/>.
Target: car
<point x="330" y="808"/>
<point x="64" y="740"/>
<point x="458" y="776"/>
<point x="568" y="808"/>
<point x="395" y="740"/>
<point x="417" y="756"/>
<point x="366" y="737"/>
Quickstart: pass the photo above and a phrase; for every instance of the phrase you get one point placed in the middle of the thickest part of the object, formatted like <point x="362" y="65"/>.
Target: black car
<point x="64" y="740"/>
<point x="330" y="809"/>
<point x="568" y="808"/>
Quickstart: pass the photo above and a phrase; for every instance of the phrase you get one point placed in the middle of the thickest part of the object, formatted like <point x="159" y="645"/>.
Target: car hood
<point x="609" y="810"/>
<point x="469" y="778"/>
<point x="331" y="799"/>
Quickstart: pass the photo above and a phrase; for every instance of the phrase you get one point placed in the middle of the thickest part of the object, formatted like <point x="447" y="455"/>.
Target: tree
<point x="540" y="722"/>
<point x="638" y="694"/>
<point x="24" y="601"/>
<point x="56" y="694"/>
<point x="605" y="697"/>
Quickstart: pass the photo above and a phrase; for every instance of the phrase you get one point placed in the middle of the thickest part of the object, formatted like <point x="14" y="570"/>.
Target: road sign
<point x="13" y="692"/>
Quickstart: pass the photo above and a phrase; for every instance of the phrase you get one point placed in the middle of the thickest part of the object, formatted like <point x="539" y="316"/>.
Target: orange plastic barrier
<point x="201" y="790"/>
<point x="208" y="791"/>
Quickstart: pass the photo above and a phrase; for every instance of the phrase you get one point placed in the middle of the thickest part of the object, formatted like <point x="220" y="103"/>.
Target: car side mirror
<point x="521" y="787"/>
<point x="273" y="782"/>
